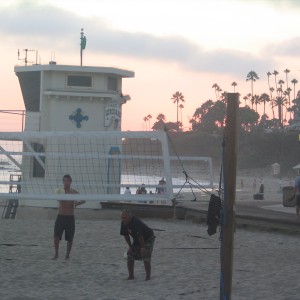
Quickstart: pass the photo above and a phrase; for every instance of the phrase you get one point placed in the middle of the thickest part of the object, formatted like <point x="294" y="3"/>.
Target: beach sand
<point x="185" y="264"/>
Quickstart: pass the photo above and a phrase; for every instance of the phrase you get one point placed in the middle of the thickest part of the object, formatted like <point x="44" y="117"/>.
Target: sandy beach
<point x="186" y="263"/>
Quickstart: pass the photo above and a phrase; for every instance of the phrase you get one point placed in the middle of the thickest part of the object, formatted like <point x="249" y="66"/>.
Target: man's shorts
<point x="136" y="255"/>
<point x="65" y="224"/>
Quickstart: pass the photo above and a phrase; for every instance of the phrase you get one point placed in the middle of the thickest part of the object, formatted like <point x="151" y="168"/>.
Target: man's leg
<point x="147" y="265"/>
<point x="69" y="234"/>
<point x="69" y="247"/>
<point x="130" y="266"/>
<point x="56" y="247"/>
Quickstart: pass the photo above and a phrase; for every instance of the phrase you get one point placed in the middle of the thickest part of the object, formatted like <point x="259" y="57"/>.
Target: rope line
<point x="188" y="179"/>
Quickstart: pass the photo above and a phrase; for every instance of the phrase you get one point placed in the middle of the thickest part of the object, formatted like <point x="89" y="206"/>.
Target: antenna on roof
<point x="52" y="61"/>
<point x="26" y="56"/>
<point x="82" y="44"/>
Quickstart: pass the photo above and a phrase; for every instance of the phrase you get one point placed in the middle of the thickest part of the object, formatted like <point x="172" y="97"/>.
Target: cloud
<point x="280" y="4"/>
<point x="49" y="27"/>
<point x="289" y="47"/>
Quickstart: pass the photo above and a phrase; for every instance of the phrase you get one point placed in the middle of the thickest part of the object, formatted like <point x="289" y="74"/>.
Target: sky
<point x="171" y="45"/>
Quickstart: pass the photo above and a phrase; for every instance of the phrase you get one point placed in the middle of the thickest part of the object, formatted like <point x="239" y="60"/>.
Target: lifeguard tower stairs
<point x="11" y="205"/>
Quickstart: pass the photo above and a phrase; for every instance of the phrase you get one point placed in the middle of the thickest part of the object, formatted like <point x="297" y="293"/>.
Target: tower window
<point x="112" y="84"/>
<point x="79" y="81"/>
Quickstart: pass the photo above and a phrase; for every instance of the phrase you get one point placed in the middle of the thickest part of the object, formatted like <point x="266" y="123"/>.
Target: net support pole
<point x="230" y="158"/>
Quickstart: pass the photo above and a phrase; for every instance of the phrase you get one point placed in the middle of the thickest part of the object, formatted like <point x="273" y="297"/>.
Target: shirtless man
<point x="65" y="221"/>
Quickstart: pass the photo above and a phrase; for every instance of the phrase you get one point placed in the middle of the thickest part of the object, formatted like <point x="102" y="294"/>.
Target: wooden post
<point x="228" y="221"/>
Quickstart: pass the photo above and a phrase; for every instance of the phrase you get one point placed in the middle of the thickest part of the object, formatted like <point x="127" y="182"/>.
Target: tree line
<point x="210" y="117"/>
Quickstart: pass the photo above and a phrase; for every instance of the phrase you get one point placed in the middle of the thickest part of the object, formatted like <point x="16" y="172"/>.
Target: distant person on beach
<point x="261" y="188"/>
<point x="141" y="190"/>
<point x="242" y="184"/>
<point x="280" y="184"/>
<point x="127" y="191"/>
<point x="254" y="185"/>
<point x="65" y="221"/>
<point x="297" y="192"/>
<point x="140" y="244"/>
<point x="161" y="189"/>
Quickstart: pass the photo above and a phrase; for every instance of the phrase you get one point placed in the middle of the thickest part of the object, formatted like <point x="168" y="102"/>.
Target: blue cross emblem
<point x="77" y="117"/>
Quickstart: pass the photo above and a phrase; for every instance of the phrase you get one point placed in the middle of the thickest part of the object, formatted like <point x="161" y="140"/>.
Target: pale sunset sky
<point x="171" y="45"/>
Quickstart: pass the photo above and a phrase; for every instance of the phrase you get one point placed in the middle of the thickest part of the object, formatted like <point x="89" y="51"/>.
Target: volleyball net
<point x="103" y="166"/>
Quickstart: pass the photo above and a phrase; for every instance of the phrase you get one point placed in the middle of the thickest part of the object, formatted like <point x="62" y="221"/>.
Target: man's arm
<point x="76" y="203"/>
<point x="128" y="241"/>
<point x="79" y="202"/>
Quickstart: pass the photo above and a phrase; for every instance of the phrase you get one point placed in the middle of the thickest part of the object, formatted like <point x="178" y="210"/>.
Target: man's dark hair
<point x="126" y="212"/>
<point x="67" y="176"/>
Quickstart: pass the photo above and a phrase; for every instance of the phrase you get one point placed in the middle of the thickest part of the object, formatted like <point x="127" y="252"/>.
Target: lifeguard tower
<point x="72" y="98"/>
<point x="70" y="103"/>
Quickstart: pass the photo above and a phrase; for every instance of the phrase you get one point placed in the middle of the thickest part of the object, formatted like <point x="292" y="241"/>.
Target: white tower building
<point x="75" y="99"/>
<point x="72" y="98"/>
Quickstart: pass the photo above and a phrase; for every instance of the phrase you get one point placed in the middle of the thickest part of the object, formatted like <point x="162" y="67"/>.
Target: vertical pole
<point x="228" y="222"/>
<point x="23" y="116"/>
<point x="81" y="45"/>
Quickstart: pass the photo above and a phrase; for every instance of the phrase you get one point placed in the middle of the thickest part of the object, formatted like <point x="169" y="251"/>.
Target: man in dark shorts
<point x="65" y="221"/>
<point x="141" y="246"/>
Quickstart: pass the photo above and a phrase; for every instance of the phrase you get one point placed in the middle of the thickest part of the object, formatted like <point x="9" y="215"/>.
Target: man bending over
<point x="141" y="245"/>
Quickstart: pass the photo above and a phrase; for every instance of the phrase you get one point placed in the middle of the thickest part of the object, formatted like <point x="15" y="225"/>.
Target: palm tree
<point x="161" y="117"/>
<point x="275" y="73"/>
<point x="234" y="84"/>
<point x="181" y="107"/>
<point x="287" y="93"/>
<point x="280" y="82"/>
<point x="217" y="90"/>
<point x="256" y="101"/>
<point x="269" y="74"/>
<point x="149" y="117"/>
<point x="223" y="97"/>
<point x="252" y="76"/>
<point x="177" y="97"/>
<point x="263" y="99"/>
<point x="279" y="102"/>
<point x="286" y="71"/>
<point x="271" y="100"/>
<point x="145" y="120"/>
<point x="245" y="98"/>
<point x="294" y="82"/>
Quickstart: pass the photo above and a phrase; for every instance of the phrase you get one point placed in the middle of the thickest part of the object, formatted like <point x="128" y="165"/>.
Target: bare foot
<point x="147" y="278"/>
<point x="55" y="257"/>
<point x="130" y="278"/>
